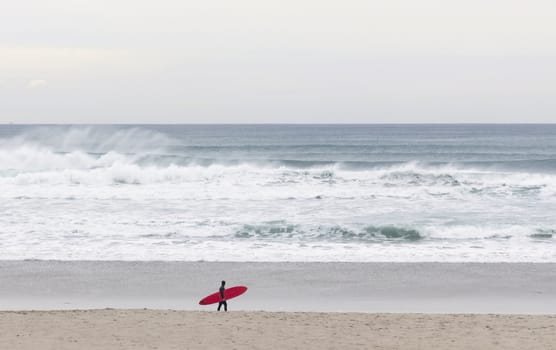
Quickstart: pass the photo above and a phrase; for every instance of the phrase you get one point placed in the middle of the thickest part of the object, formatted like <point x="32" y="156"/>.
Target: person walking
<point x="222" y="297"/>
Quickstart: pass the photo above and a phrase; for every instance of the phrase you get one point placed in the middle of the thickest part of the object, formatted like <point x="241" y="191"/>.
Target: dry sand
<point x="160" y="329"/>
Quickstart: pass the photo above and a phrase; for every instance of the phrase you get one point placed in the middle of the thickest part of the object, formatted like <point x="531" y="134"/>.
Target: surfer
<point x="223" y="300"/>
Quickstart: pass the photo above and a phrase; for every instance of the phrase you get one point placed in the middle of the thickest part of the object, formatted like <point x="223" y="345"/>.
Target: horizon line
<point x="278" y="124"/>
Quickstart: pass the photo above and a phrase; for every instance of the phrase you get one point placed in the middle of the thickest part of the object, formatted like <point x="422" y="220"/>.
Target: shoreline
<point x="432" y="288"/>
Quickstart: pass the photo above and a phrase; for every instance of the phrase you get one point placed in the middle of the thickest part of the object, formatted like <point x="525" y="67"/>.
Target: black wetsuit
<point x="223" y="302"/>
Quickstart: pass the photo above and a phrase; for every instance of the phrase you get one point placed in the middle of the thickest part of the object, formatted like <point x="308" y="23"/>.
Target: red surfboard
<point x="229" y="293"/>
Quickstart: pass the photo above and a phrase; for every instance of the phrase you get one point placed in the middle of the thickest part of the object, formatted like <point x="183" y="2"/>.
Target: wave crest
<point x="369" y="234"/>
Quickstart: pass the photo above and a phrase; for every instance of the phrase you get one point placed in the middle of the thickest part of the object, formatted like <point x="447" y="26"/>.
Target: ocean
<point x="279" y="193"/>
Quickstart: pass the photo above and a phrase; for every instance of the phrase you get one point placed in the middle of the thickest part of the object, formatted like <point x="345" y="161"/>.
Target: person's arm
<point x="222" y="294"/>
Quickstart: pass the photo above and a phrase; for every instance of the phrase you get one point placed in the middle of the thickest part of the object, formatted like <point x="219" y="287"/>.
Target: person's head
<point x="223" y="283"/>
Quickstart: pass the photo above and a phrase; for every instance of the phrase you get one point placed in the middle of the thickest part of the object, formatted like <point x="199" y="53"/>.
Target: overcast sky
<point x="257" y="61"/>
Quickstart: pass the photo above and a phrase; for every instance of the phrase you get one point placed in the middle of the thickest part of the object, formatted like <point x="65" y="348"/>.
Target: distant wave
<point x="30" y="165"/>
<point x="82" y="147"/>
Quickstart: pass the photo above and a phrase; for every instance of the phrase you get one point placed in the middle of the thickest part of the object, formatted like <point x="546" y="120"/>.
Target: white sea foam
<point x="133" y="194"/>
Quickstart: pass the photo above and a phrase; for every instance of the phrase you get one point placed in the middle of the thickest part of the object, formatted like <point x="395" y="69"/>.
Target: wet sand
<point x="518" y="288"/>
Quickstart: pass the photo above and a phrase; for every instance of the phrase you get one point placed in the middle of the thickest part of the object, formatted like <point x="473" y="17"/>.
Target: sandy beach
<point x="161" y="329"/>
<point x="154" y="305"/>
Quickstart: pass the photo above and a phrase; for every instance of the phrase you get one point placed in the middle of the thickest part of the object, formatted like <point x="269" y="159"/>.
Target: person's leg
<point x="225" y="306"/>
<point x="219" y="305"/>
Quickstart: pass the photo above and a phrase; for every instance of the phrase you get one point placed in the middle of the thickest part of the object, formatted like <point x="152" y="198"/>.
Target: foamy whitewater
<point x="482" y="193"/>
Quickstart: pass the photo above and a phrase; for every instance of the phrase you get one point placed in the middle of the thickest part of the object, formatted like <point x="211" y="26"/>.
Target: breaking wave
<point x="214" y="192"/>
<point x="329" y="234"/>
